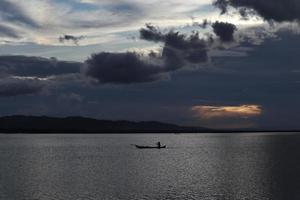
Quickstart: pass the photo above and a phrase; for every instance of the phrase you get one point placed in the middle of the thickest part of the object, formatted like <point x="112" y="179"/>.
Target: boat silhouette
<point x="150" y="147"/>
<point x="158" y="146"/>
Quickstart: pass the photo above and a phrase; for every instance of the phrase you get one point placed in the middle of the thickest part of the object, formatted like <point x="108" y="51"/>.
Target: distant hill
<point x="43" y="124"/>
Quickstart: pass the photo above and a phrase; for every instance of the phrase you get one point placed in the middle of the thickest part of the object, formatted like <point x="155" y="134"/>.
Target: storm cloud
<point x="122" y="68"/>
<point x="276" y="10"/>
<point x="152" y="33"/>
<point x="224" y="31"/>
<point x="178" y="49"/>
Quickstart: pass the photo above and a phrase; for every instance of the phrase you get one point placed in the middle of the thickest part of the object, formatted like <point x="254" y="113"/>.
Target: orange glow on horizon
<point x="241" y="111"/>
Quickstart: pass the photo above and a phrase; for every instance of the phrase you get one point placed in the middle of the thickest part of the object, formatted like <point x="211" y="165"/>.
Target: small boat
<point x="150" y="147"/>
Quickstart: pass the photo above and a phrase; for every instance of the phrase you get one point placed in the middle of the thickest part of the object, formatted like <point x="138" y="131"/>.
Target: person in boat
<point x="158" y="144"/>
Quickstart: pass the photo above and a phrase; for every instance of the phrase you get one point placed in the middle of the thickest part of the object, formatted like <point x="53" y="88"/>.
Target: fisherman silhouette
<point x="158" y="144"/>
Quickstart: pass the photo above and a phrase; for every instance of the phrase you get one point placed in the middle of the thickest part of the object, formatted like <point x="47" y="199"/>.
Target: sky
<point x="210" y="63"/>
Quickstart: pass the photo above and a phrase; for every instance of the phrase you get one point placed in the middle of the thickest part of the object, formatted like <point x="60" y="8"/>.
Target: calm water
<point x="195" y="166"/>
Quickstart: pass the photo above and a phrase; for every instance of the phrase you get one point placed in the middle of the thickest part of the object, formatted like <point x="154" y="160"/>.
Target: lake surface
<point x="107" y="167"/>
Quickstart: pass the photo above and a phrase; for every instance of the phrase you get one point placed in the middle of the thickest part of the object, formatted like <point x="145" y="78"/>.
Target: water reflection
<point x="209" y="166"/>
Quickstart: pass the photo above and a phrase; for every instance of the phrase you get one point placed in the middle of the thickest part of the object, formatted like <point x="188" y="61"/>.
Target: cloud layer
<point x="36" y="66"/>
<point x="99" y="21"/>
<point x="6" y="31"/>
<point x="11" y="12"/>
<point x="22" y="75"/>
<point x="15" y="87"/>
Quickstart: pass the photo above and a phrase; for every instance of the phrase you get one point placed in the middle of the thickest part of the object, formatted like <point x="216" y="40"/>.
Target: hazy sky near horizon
<point x="213" y="63"/>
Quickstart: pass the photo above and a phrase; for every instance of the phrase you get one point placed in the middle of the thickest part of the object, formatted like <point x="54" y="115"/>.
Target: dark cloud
<point x="22" y="75"/>
<point x="122" y="68"/>
<point x="15" y="87"/>
<point x="36" y="66"/>
<point x="74" y="39"/>
<point x="277" y="10"/>
<point x="6" y="31"/>
<point x="178" y="48"/>
<point x="179" y="51"/>
<point x="151" y="33"/>
<point x="13" y="13"/>
<point x="224" y="31"/>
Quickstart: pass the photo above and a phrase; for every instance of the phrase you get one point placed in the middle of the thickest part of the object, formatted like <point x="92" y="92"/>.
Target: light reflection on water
<point x="194" y="166"/>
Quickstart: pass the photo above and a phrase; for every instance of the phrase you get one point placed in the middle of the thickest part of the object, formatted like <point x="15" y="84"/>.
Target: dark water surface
<point x="194" y="166"/>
